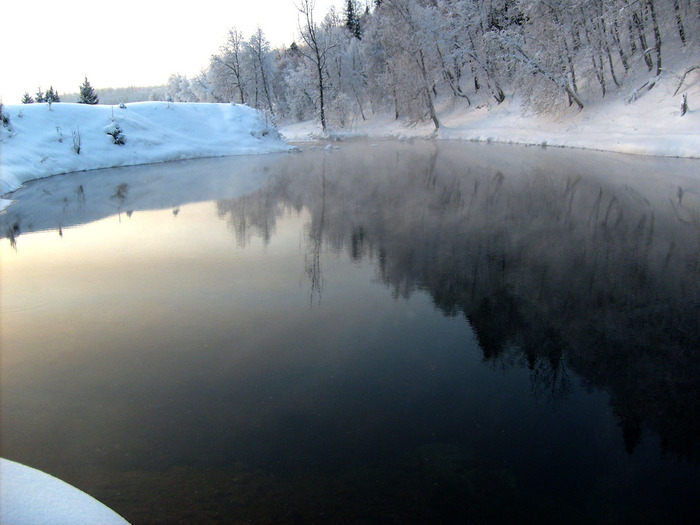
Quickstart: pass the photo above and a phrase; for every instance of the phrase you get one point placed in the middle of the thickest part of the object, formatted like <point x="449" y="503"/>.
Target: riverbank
<point x="42" y="140"/>
<point x="643" y="122"/>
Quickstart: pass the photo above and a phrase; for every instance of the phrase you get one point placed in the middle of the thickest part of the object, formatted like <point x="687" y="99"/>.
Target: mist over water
<point x="410" y="332"/>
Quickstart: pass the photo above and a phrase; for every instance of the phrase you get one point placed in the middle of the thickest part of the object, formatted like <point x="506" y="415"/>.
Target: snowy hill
<point x="41" y="141"/>
<point x="648" y="124"/>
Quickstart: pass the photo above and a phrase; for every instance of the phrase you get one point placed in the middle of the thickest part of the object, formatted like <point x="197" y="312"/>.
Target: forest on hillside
<point x="405" y="56"/>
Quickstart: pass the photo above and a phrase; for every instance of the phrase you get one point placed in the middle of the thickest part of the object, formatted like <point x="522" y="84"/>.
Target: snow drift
<point x="43" y="140"/>
<point x="28" y="495"/>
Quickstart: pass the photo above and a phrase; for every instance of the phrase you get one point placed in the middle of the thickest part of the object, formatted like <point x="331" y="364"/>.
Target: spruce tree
<point x="87" y="94"/>
<point x="51" y="96"/>
<point x="40" y="96"/>
<point x="27" y="98"/>
<point x="352" y="21"/>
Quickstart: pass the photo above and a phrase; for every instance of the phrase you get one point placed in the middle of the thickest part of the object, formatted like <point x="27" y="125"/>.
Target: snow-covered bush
<point x="4" y="117"/>
<point x="116" y="133"/>
<point x="342" y="111"/>
<point x="300" y="92"/>
<point x="265" y="126"/>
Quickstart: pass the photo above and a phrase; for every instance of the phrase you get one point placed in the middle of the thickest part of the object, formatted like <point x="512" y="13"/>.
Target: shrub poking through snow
<point x="116" y="133"/>
<point x="77" y="140"/>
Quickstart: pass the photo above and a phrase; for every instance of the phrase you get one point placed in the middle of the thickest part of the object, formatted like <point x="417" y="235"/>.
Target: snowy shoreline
<point x="41" y="140"/>
<point x="650" y="126"/>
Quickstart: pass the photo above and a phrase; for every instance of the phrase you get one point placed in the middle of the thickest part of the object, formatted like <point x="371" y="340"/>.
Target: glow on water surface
<point x="381" y="333"/>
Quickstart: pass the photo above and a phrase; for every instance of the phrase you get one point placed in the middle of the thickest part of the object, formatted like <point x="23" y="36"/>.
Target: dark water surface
<point x="380" y="333"/>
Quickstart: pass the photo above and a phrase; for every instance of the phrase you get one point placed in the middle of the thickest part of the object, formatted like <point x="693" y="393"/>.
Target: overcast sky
<point x="126" y="42"/>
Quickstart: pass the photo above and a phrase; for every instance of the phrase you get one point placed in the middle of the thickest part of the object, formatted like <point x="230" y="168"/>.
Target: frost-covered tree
<point x="40" y="96"/>
<point x="228" y="69"/>
<point x="301" y="90"/>
<point x="548" y="55"/>
<point x="406" y="32"/>
<point x="27" y="98"/>
<point x="316" y="48"/>
<point x="179" y="89"/>
<point x="257" y="52"/>
<point x="87" y="94"/>
<point x="537" y="57"/>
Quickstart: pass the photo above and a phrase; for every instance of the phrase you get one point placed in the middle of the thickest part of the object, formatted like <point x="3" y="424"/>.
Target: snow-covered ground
<point x="29" y="496"/>
<point x="650" y="125"/>
<point x="41" y="141"/>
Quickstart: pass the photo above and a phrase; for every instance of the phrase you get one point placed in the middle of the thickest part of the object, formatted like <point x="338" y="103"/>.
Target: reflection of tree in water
<point x="254" y="215"/>
<point x="554" y="273"/>
<point x="314" y="244"/>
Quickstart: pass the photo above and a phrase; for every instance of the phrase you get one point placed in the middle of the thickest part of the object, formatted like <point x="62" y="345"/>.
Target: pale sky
<point x="127" y="42"/>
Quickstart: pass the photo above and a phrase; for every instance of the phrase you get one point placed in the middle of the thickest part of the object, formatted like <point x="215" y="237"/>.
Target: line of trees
<point x="404" y="56"/>
<point x="86" y="95"/>
<point x="50" y="96"/>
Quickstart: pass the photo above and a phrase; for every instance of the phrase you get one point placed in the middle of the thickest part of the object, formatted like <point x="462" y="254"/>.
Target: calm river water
<point x="400" y="332"/>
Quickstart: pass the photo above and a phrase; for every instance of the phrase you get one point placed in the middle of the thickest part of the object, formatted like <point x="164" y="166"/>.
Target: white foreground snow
<point x="29" y="496"/>
<point x="41" y="140"/>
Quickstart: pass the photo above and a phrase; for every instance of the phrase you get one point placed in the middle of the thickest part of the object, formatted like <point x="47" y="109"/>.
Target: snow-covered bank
<point x="41" y="141"/>
<point x="651" y="125"/>
<point x="29" y="496"/>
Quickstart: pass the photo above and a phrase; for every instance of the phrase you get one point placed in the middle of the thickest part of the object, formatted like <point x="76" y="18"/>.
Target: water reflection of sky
<point x="440" y="333"/>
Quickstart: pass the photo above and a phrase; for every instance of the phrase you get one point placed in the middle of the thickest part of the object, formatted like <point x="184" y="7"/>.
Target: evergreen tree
<point x="51" y="96"/>
<point x="352" y="20"/>
<point x="40" y="96"/>
<point x="27" y="99"/>
<point x="87" y="94"/>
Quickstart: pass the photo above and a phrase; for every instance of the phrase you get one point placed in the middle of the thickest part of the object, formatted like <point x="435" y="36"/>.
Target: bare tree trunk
<point x="427" y="91"/>
<point x="451" y="80"/>
<point x="657" y="35"/>
<point x="620" y="51"/>
<point x="596" y="53"/>
<point x="642" y="40"/>
<point x="607" y="51"/>
<point x="318" y="53"/>
<point x="321" y="89"/>
<point x="679" y="20"/>
<point x="572" y="71"/>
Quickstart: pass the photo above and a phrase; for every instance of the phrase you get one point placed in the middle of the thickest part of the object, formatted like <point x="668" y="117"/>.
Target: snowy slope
<point x="40" y="139"/>
<point x="29" y="496"/>
<point x="649" y="125"/>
